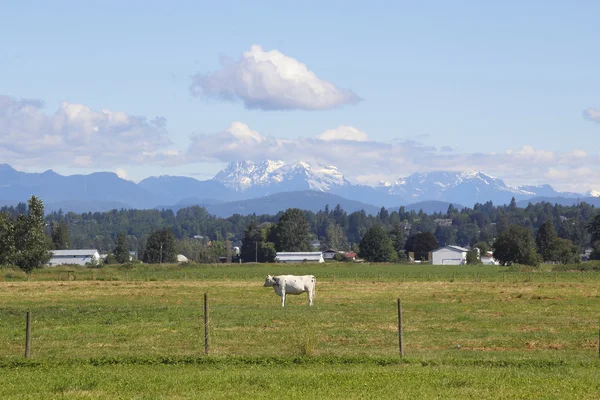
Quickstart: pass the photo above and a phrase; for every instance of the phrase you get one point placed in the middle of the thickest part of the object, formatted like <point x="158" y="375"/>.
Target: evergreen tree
<point x="292" y="232"/>
<point x="473" y="257"/>
<point x="160" y="247"/>
<point x="546" y="241"/>
<point x="376" y="246"/>
<point x="7" y="239"/>
<point x="398" y="237"/>
<point x="335" y="238"/>
<point x="255" y="247"/>
<point x="30" y="243"/>
<point x="121" y="250"/>
<point x="59" y="232"/>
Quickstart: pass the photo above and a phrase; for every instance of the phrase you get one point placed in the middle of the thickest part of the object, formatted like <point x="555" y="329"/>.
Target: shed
<point x="298" y="257"/>
<point x="449" y="255"/>
<point x="74" y="257"/>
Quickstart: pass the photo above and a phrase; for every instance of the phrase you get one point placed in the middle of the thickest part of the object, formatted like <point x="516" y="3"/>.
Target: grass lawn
<point x="139" y="334"/>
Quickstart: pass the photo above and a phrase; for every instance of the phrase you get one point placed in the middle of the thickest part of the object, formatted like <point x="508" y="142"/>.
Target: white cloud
<point x="270" y="80"/>
<point x="592" y="114"/>
<point x="75" y="135"/>
<point x="344" y="132"/>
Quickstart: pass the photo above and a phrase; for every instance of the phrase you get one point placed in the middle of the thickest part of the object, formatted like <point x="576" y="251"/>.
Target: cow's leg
<point x="310" y="296"/>
<point x="283" y="298"/>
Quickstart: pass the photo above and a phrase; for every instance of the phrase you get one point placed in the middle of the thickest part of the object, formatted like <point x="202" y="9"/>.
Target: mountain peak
<point x="302" y="175"/>
<point x="592" y="193"/>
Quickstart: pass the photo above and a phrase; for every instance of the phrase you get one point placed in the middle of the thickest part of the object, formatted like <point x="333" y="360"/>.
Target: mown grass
<point x="138" y="337"/>
<point x="333" y="271"/>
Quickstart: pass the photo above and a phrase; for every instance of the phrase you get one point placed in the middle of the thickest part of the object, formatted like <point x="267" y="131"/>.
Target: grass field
<point x="137" y="332"/>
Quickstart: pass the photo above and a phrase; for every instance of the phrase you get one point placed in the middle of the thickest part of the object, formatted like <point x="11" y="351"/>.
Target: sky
<point x="379" y="89"/>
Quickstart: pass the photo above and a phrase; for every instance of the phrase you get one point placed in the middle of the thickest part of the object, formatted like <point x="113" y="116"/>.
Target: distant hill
<point x="430" y="207"/>
<point x="563" y="201"/>
<point x="305" y="200"/>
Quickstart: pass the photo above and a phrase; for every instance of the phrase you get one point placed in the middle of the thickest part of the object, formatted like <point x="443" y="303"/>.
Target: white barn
<point x="449" y="255"/>
<point x="73" y="257"/>
<point x="298" y="257"/>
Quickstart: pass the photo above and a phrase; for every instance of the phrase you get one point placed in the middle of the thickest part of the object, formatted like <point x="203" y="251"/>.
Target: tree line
<point x="537" y="233"/>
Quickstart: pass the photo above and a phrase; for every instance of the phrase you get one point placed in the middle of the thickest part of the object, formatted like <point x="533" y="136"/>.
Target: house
<point x="298" y="257"/>
<point x="329" y="254"/>
<point x="449" y="255"/>
<point x="74" y="257"/>
<point x="442" y="222"/>
<point x="350" y="255"/>
<point x="488" y="259"/>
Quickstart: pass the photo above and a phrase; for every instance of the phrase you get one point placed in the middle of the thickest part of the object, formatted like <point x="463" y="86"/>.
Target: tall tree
<point x="255" y="247"/>
<point x="516" y="245"/>
<point x="546" y="241"/>
<point x="160" y="247"/>
<point x="121" y="250"/>
<point x="376" y="246"/>
<point x="292" y="232"/>
<point x="59" y="232"/>
<point x="31" y="243"/>
<point x="398" y="237"/>
<point x="335" y="238"/>
<point x="421" y="244"/>
<point x="7" y="239"/>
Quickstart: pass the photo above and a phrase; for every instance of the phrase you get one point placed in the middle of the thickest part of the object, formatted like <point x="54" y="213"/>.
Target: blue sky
<point x="508" y="88"/>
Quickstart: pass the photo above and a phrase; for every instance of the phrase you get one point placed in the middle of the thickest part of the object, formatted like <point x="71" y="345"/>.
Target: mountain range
<point x="268" y="187"/>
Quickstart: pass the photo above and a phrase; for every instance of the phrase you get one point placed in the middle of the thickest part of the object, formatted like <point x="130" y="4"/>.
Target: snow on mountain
<point x="430" y="183"/>
<point x="467" y="187"/>
<point x="245" y="175"/>
<point x="592" y="193"/>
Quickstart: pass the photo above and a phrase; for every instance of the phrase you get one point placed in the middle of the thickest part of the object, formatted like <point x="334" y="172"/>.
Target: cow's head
<point x="270" y="281"/>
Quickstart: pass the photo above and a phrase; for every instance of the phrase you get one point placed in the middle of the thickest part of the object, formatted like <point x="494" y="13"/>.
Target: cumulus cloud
<point x="369" y="162"/>
<point x="592" y="114"/>
<point x="344" y="132"/>
<point x="75" y="135"/>
<point x="270" y="80"/>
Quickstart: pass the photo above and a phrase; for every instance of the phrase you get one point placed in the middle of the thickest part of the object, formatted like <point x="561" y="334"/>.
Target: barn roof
<point x="458" y="249"/>
<point x="67" y="253"/>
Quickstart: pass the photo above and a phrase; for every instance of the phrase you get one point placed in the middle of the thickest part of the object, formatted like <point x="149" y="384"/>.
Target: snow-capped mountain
<point x="592" y="193"/>
<point x="273" y="176"/>
<point x="466" y="187"/>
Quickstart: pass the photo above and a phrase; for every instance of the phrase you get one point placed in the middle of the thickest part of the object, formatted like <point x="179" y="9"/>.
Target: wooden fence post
<point x="206" y="323"/>
<point x="333" y="276"/>
<point x="28" y="335"/>
<point x="378" y="277"/>
<point x="400" y="336"/>
<point x="555" y="273"/>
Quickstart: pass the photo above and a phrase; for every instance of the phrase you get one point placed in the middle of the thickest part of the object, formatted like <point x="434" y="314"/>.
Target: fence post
<point x="333" y="277"/>
<point x="378" y="277"/>
<point x="28" y="335"/>
<point x="581" y="275"/>
<point x="555" y="273"/>
<point x="400" y="336"/>
<point x="206" y="323"/>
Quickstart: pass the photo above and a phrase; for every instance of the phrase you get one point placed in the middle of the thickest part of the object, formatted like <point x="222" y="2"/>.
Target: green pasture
<point x="137" y="332"/>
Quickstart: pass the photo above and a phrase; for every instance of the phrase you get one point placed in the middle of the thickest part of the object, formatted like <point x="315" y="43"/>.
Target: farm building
<point x="298" y="257"/>
<point x="329" y="254"/>
<point x="73" y="257"/>
<point x="449" y="255"/>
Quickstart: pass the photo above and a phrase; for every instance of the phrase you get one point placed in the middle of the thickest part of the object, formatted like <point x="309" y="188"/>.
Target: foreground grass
<point x="136" y="338"/>
<point x="306" y="381"/>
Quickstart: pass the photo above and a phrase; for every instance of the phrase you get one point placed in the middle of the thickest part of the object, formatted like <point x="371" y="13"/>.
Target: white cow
<point x="292" y="284"/>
